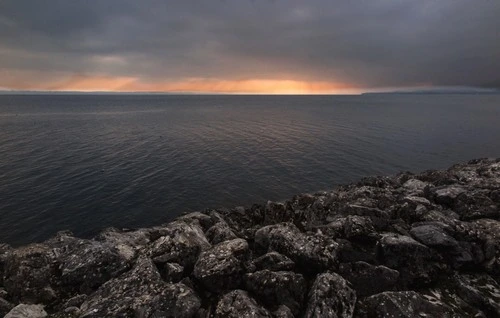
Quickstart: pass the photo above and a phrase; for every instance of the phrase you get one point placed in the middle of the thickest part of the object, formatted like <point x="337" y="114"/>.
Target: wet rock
<point x="27" y="311"/>
<point x="368" y="279"/>
<point x="222" y="267"/>
<point x="238" y="304"/>
<point x="274" y="261"/>
<point x="330" y="296"/>
<point x="277" y="288"/>
<point x="28" y="272"/>
<point x="312" y="253"/>
<point x="404" y="304"/>
<point x="180" y="243"/>
<point x="141" y="293"/>
<point x="127" y="243"/>
<point x="220" y="232"/>
<point x="481" y="291"/>
<point x="417" y="264"/>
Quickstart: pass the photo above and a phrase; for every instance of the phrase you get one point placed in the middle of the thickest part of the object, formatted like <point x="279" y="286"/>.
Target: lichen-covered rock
<point x="220" y="232"/>
<point x="173" y="272"/>
<point x="368" y="279"/>
<point x="222" y="267"/>
<point x="404" y="304"/>
<point x="127" y="243"/>
<point x="141" y="293"/>
<point x="238" y="304"/>
<point x="27" y="311"/>
<point x="277" y="288"/>
<point x="356" y="226"/>
<point x="178" y="242"/>
<point x="274" y="261"/>
<point x="201" y="219"/>
<point x="330" y="297"/>
<point x="312" y="253"/>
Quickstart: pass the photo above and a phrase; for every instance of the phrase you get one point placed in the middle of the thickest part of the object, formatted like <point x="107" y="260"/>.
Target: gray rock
<point x="28" y="274"/>
<point x="283" y="312"/>
<point x="180" y="243"/>
<point x="126" y="243"/>
<point x="201" y="219"/>
<point x="368" y="279"/>
<point x="141" y="293"/>
<point x="417" y="264"/>
<point x="238" y="304"/>
<point x="173" y="272"/>
<point x="433" y="236"/>
<point x="414" y="185"/>
<point x="220" y="232"/>
<point x="481" y="291"/>
<point x="312" y="253"/>
<point x="274" y="261"/>
<point x="222" y="267"/>
<point x="27" y="311"/>
<point x="330" y="297"/>
<point x="5" y="307"/>
<point x="358" y="227"/>
<point x="406" y="304"/>
<point x="447" y="195"/>
<point x="277" y="288"/>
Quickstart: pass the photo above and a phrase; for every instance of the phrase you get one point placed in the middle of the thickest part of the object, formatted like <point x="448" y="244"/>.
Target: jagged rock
<point x="283" y="312"/>
<point x="417" y="264"/>
<point x="380" y="218"/>
<point x="448" y="194"/>
<point x="312" y="253"/>
<point x="434" y="235"/>
<point x="277" y="288"/>
<point x="27" y="311"/>
<point x="84" y="265"/>
<point x="220" y="232"/>
<point x="4" y="249"/>
<point x="180" y="243"/>
<point x="404" y="304"/>
<point x="127" y="243"/>
<point x="330" y="297"/>
<point x="238" y="304"/>
<point x="5" y="307"/>
<point x="358" y="227"/>
<point x="415" y="186"/>
<point x="481" y="291"/>
<point x="28" y="274"/>
<point x="476" y="205"/>
<point x="274" y="261"/>
<point x="173" y="272"/>
<point x="368" y="279"/>
<point x="222" y="267"/>
<point x="141" y="293"/>
<point x="201" y="219"/>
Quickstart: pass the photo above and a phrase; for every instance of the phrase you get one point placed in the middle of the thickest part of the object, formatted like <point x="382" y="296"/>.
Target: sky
<point x="248" y="46"/>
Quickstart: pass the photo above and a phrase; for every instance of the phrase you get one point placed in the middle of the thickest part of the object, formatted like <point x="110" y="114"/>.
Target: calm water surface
<point x="92" y="161"/>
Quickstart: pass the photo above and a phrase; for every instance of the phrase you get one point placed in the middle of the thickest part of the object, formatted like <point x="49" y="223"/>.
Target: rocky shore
<point x="410" y="245"/>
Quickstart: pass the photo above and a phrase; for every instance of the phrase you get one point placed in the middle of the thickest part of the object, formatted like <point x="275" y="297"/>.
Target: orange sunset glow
<point x="102" y="83"/>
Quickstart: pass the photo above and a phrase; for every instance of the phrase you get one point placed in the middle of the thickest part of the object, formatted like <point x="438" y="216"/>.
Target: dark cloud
<point x="368" y="43"/>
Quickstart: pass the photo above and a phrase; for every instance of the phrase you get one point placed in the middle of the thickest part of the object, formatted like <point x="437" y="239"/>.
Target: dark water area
<point x="86" y="162"/>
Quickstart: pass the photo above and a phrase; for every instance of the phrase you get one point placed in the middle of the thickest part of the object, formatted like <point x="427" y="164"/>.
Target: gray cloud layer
<point x="377" y="43"/>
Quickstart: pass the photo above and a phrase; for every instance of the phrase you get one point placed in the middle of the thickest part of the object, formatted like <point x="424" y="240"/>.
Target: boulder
<point x="27" y="311"/>
<point x="283" y="312"/>
<point x="358" y="227"/>
<point x="141" y="293"/>
<point x="220" y="232"/>
<point x="28" y="274"/>
<point x="312" y="253"/>
<point x="5" y="307"/>
<point x="238" y="304"/>
<point x="369" y="279"/>
<point x="277" y="288"/>
<point x="480" y="291"/>
<point x="417" y="264"/>
<point x="173" y="272"/>
<point x="447" y="195"/>
<point x="274" y="261"/>
<point x="198" y="218"/>
<point x="331" y="297"/>
<point x="178" y="242"/>
<point x="222" y="267"/>
<point x="434" y="235"/>
<point x="404" y="304"/>
<point x="415" y="186"/>
<point x="127" y="243"/>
